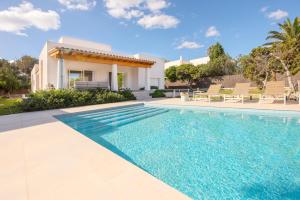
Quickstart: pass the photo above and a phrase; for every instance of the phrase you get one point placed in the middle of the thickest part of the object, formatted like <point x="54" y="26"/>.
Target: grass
<point x="255" y="91"/>
<point x="226" y="91"/>
<point x="9" y="106"/>
<point x="251" y="91"/>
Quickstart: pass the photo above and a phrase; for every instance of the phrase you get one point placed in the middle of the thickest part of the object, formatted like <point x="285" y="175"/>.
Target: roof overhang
<point x="98" y="57"/>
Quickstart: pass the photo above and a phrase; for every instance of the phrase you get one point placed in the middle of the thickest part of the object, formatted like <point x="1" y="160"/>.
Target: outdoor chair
<point x="239" y="92"/>
<point x="213" y="91"/>
<point x="274" y="91"/>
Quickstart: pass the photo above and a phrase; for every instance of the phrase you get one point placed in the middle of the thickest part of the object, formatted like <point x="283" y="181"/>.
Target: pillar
<point x="147" y="79"/>
<point x="60" y="73"/>
<point x="114" y="77"/>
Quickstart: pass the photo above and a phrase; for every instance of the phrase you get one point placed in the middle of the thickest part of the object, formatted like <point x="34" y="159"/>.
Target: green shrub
<point x="157" y="94"/>
<point x="53" y="99"/>
<point x="109" y="97"/>
<point x="127" y="94"/>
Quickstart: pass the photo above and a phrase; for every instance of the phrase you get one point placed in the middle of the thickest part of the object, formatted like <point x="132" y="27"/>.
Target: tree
<point x="220" y="63"/>
<point x="25" y="64"/>
<point x="286" y="47"/>
<point x="170" y="73"/>
<point x="260" y="66"/>
<point x="8" y="80"/>
<point x="187" y="72"/>
<point x="215" y="51"/>
<point x="4" y="63"/>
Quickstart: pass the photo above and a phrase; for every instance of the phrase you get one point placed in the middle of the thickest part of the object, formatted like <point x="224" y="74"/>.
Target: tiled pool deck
<point x="42" y="158"/>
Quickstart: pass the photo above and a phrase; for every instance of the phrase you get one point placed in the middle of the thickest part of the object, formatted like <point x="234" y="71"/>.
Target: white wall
<point x="40" y="71"/>
<point x="34" y="72"/>
<point x="157" y="71"/>
<point x="84" y="43"/>
<point x="176" y="63"/>
<point x="134" y="77"/>
<point x="197" y="61"/>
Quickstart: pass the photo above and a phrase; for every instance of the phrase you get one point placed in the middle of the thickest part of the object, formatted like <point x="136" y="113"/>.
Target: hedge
<point x="53" y="99"/>
<point x="157" y="94"/>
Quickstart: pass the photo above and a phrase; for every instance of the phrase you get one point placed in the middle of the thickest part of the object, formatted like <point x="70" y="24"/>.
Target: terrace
<point x="41" y="171"/>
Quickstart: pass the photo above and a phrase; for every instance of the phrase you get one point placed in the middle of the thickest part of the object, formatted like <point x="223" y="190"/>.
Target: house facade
<point x="181" y="61"/>
<point x="72" y="62"/>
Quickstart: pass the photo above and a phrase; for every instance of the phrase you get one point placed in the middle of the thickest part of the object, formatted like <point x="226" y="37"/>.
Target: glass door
<point x="74" y="76"/>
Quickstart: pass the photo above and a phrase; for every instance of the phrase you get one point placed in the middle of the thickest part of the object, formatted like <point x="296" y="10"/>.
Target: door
<point x="120" y="80"/>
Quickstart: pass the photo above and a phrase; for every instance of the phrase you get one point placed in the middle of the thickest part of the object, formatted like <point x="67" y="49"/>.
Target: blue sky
<point x="164" y="28"/>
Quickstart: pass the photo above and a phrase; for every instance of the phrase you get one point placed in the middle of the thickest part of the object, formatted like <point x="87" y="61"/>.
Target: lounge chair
<point x="213" y="91"/>
<point x="274" y="91"/>
<point x="239" y="92"/>
<point x="298" y="91"/>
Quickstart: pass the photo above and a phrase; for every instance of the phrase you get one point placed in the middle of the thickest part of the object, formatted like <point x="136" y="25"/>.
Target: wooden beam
<point x="85" y="58"/>
<point x="98" y="58"/>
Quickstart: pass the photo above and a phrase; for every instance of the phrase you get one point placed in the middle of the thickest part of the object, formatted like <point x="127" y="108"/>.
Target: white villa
<point x="78" y="63"/>
<point x="196" y="61"/>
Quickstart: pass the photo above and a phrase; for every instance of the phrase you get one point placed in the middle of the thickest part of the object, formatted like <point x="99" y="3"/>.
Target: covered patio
<point x="99" y="69"/>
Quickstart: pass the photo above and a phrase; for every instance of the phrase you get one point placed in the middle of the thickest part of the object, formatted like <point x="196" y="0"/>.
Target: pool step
<point x="126" y="121"/>
<point x="100" y="122"/>
<point x="107" y="119"/>
<point x="96" y="129"/>
<point x="101" y="113"/>
<point x="106" y="116"/>
<point x="110" y="111"/>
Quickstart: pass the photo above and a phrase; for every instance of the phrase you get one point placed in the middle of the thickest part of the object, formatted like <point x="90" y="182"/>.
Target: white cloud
<point x="78" y="4"/>
<point x="147" y="12"/>
<point x="278" y="14"/>
<point x="159" y="21"/>
<point x="157" y="5"/>
<point x="126" y="9"/>
<point x="189" y="45"/>
<point x="264" y="9"/>
<point x="18" y="19"/>
<point x="212" y="32"/>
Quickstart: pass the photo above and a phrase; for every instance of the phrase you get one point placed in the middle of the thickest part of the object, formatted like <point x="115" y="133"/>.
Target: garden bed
<point x="54" y="99"/>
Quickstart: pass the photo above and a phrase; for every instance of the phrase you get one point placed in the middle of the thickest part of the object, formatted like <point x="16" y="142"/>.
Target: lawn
<point x="9" y="106"/>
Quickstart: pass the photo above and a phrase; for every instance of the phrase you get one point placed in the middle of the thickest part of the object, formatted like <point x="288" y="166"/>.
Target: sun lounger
<point x="239" y="92"/>
<point x="274" y="91"/>
<point x="298" y="91"/>
<point x="213" y="91"/>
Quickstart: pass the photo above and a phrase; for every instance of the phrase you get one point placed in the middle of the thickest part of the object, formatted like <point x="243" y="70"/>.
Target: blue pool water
<point x="205" y="153"/>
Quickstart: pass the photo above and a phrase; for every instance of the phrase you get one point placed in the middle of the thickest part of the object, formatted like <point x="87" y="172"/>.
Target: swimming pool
<point x="206" y="153"/>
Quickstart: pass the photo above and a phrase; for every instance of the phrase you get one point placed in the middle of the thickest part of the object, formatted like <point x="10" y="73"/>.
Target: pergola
<point x="62" y="53"/>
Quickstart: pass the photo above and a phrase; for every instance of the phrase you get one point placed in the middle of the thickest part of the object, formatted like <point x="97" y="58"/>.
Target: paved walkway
<point x="291" y="106"/>
<point x="42" y="158"/>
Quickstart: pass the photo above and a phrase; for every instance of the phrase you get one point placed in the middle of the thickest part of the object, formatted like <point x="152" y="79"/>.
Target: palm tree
<point x="290" y="32"/>
<point x="285" y="44"/>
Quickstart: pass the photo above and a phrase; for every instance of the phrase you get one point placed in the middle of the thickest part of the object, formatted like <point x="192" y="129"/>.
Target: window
<point x="75" y="75"/>
<point x="88" y="75"/>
